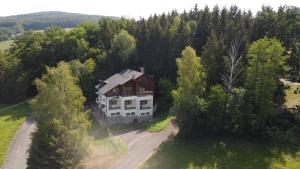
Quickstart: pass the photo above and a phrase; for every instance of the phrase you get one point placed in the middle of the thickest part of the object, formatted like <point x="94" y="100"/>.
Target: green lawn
<point x="10" y="121"/>
<point x="292" y="99"/>
<point x="159" y="124"/>
<point x="228" y="154"/>
<point x="5" y="44"/>
<point x="156" y="125"/>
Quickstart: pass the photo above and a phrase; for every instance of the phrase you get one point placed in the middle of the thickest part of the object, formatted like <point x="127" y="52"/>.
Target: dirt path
<point x="141" y="145"/>
<point x="17" y="153"/>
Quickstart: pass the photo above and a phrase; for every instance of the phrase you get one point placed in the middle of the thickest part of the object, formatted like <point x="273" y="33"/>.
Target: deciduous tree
<point x="58" y="141"/>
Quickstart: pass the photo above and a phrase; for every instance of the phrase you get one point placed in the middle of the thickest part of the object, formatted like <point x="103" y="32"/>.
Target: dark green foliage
<point x="84" y="72"/>
<point x="165" y="99"/>
<point x="102" y="49"/>
<point x="217" y="101"/>
<point x="13" y="79"/>
<point x="213" y="59"/>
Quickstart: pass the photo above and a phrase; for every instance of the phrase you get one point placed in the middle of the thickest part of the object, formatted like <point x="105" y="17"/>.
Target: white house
<point x="126" y="97"/>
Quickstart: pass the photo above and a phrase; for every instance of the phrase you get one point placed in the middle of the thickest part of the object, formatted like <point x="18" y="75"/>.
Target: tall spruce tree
<point x="213" y="59"/>
<point x="58" y="142"/>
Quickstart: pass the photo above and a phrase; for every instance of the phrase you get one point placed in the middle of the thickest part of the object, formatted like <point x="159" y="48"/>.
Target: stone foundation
<point x="127" y="119"/>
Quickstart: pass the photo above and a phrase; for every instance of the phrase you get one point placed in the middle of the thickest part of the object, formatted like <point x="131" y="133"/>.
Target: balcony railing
<point x="143" y="107"/>
<point x="129" y="107"/>
<point x="144" y="93"/>
<point x="114" y="107"/>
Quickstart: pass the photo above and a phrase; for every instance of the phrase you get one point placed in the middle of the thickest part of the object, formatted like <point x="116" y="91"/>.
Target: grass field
<point x="10" y="121"/>
<point x="5" y="44"/>
<point x="223" y="154"/>
<point x="292" y="99"/>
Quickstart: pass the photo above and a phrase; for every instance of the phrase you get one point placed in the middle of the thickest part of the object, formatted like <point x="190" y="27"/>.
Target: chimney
<point x="142" y="69"/>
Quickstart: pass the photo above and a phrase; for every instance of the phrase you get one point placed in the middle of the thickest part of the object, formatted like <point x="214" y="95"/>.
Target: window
<point x="142" y="114"/>
<point x="113" y="102"/>
<point x="112" y="114"/>
<point x="128" y="90"/>
<point x="141" y="89"/>
<point x="148" y="113"/>
<point x="144" y="102"/>
<point x="128" y="102"/>
<point x="132" y="113"/>
<point x="118" y="113"/>
<point x="127" y="114"/>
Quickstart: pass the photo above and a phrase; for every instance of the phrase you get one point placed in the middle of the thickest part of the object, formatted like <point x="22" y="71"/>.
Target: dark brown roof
<point x="119" y="79"/>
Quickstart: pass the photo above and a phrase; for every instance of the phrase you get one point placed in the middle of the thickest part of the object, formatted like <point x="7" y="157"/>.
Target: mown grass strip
<point x="10" y="121"/>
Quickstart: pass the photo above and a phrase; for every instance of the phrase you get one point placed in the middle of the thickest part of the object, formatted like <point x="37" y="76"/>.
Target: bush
<point x="165" y="99"/>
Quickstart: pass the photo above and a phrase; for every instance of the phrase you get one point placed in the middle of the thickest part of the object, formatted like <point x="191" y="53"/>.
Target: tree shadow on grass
<point x="17" y="112"/>
<point x="222" y="154"/>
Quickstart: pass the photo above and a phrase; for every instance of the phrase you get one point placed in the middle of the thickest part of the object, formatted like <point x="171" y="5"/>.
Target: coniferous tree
<point x="213" y="59"/>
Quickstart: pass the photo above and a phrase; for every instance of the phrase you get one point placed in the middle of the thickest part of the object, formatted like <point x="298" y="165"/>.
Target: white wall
<point x="137" y="110"/>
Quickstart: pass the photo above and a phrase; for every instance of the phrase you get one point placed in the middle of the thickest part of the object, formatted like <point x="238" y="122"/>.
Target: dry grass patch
<point x="292" y="95"/>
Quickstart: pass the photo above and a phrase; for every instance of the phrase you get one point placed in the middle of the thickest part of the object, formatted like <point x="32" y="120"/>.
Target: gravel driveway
<point x="141" y="145"/>
<point x="17" y="156"/>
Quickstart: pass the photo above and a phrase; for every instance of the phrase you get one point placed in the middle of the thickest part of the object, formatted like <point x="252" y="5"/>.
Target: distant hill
<point x="42" y="20"/>
<point x="15" y="25"/>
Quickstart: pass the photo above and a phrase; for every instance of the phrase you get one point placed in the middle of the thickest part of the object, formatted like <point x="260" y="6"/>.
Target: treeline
<point x="159" y="41"/>
<point x="253" y="110"/>
<point x="226" y="64"/>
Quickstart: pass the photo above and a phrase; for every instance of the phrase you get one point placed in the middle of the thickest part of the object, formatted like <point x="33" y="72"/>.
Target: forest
<point x="217" y="69"/>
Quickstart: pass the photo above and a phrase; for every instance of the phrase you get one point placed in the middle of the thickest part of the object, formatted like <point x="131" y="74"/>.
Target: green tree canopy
<point x="213" y="59"/>
<point x="61" y="123"/>
<point x="266" y="63"/>
<point x="123" y="45"/>
<point x="188" y="97"/>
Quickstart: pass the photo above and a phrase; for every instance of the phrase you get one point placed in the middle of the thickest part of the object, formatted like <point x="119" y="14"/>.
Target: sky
<point x="128" y="8"/>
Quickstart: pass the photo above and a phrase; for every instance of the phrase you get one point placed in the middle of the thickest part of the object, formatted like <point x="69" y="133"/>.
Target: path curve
<point x="142" y="146"/>
<point x="17" y="153"/>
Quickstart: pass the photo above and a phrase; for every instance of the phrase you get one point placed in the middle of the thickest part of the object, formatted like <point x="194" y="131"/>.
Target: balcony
<point x="144" y="93"/>
<point x="114" y="107"/>
<point x="144" y="107"/>
<point x="130" y="104"/>
<point x="114" y="104"/>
